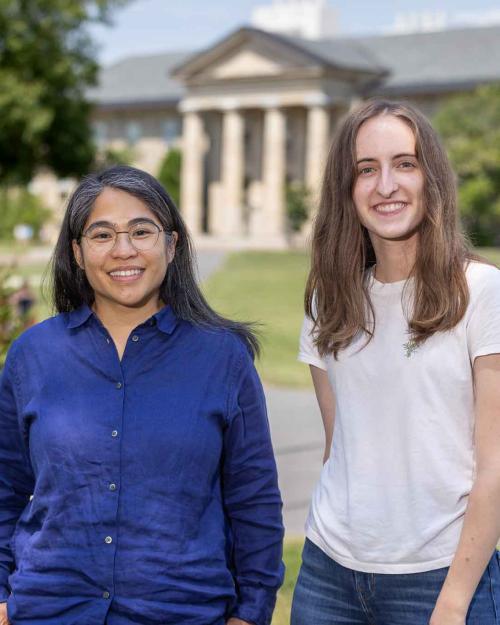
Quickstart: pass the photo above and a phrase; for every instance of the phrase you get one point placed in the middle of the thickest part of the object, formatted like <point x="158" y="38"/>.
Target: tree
<point x="46" y="63"/>
<point x="470" y="127"/>
<point x="170" y="174"/>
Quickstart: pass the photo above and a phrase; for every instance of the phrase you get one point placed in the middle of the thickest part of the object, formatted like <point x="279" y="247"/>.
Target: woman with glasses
<point x="137" y="478"/>
<point x="402" y="333"/>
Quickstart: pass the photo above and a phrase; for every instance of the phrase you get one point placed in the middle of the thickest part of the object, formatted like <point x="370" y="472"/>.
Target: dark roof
<point x="437" y="61"/>
<point x="342" y="53"/>
<point x="139" y="80"/>
<point x="415" y="63"/>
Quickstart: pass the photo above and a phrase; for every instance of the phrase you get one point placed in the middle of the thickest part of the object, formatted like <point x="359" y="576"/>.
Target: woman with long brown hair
<point x="402" y="333"/>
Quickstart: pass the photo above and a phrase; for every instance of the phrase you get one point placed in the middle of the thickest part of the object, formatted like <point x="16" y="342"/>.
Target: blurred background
<point x="232" y="106"/>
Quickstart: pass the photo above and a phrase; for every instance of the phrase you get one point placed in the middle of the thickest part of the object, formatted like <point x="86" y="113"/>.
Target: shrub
<point x="19" y="206"/>
<point x="170" y="174"/>
<point x="297" y="200"/>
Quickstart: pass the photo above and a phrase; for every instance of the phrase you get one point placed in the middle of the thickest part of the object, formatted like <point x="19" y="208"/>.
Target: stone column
<point x="193" y="147"/>
<point x="232" y="173"/>
<point x="270" y="221"/>
<point x="318" y="139"/>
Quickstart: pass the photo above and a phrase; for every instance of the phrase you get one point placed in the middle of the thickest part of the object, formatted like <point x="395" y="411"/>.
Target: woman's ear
<point x="174" y="237"/>
<point x="77" y="252"/>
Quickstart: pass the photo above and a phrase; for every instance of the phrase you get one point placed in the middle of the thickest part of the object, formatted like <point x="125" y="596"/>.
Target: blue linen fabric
<point x="153" y="481"/>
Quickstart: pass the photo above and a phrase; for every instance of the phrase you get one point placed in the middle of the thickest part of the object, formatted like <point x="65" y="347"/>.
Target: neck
<point x="395" y="259"/>
<point x="117" y="318"/>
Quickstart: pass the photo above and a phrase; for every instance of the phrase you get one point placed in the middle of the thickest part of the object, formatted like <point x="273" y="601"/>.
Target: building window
<point x="171" y="129"/>
<point x="134" y="132"/>
<point x="100" y="130"/>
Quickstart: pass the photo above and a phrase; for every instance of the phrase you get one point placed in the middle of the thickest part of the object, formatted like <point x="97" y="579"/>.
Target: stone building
<point x="257" y="110"/>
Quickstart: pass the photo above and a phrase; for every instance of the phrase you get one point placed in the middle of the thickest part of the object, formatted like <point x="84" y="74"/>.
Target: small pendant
<point x="410" y="347"/>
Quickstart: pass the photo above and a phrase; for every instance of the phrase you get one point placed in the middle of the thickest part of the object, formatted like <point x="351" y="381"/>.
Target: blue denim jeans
<point x="330" y="594"/>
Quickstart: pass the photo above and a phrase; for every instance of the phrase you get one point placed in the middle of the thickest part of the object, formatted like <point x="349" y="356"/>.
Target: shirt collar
<point x="165" y="319"/>
<point x="78" y="317"/>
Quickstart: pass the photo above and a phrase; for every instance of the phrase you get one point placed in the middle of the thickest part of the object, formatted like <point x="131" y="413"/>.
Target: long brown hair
<point x="337" y="292"/>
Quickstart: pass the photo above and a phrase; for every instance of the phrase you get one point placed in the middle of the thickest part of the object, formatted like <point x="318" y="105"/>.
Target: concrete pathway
<point x="298" y="440"/>
<point x="296" y="430"/>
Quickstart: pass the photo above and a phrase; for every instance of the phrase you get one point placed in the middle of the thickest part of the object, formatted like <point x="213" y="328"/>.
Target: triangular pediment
<point x="244" y="63"/>
<point x="246" y="53"/>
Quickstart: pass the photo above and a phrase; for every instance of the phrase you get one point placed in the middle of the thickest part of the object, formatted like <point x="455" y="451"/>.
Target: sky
<point x="149" y="26"/>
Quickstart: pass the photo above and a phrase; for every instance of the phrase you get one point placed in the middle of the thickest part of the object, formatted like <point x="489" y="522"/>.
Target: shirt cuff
<point x="4" y="594"/>
<point x="255" y="605"/>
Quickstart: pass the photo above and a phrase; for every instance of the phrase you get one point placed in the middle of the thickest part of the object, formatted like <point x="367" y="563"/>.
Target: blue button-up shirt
<point x="153" y="482"/>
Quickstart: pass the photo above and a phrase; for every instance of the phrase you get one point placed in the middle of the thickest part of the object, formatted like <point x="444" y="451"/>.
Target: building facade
<point x="257" y="110"/>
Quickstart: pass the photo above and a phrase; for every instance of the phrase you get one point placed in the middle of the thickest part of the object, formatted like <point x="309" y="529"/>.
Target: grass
<point x="292" y="558"/>
<point x="266" y="287"/>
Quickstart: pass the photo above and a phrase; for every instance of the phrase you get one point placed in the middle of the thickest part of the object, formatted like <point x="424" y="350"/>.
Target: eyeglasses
<point x="143" y="236"/>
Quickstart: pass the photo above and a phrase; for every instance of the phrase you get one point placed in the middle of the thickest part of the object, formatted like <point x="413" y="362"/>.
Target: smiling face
<point x="388" y="190"/>
<point x="122" y="276"/>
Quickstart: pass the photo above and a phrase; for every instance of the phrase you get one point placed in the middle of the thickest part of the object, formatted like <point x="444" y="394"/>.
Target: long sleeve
<point x="16" y="480"/>
<point x="252" y="499"/>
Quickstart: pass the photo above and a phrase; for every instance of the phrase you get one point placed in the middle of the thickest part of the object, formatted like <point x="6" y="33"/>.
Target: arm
<point x="326" y="402"/>
<point x="481" y="529"/>
<point x="16" y="480"/>
<point x="252" y="499"/>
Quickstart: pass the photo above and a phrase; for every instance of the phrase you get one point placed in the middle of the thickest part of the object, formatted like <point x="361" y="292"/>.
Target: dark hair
<point x="337" y="294"/>
<point x="70" y="287"/>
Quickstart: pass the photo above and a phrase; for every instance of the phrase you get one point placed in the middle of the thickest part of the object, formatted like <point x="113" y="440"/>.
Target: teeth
<point x="389" y="208"/>
<point x="128" y="272"/>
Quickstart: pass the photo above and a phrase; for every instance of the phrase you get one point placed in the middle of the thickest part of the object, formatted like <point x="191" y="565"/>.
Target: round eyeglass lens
<point x="142" y="235"/>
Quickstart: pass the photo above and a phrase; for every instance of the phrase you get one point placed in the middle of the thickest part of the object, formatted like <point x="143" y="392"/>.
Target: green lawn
<point x="267" y="288"/>
<point x="264" y="287"/>
<point x="291" y="556"/>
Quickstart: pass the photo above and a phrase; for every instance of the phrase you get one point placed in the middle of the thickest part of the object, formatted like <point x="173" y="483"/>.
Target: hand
<point x="232" y="621"/>
<point x="3" y="614"/>
<point x="444" y="616"/>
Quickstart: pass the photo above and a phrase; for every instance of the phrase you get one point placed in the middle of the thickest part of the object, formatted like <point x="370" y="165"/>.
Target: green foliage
<point x="10" y="324"/>
<point x="46" y="64"/>
<point x="170" y="174"/>
<point x="18" y="206"/>
<point x="470" y="127"/>
<point x="297" y="200"/>
<point x="108" y="157"/>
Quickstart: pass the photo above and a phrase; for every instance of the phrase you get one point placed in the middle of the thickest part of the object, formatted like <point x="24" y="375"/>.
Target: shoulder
<point x="42" y="335"/>
<point x="218" y="340"/>
<point x="482" y="278"/>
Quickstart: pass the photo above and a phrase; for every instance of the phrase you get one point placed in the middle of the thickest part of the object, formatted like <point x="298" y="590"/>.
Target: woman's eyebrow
<point x="132" y="222"/>
<point x="370" y="159"/>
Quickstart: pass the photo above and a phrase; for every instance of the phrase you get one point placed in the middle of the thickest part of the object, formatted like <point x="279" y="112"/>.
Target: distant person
<point x="136" y="421"/>
<point x="24" y="300"/>
<point x="402" y="333"/>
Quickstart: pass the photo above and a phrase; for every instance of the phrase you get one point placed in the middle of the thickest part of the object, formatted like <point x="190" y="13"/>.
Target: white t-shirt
<point x="392" y="496"/>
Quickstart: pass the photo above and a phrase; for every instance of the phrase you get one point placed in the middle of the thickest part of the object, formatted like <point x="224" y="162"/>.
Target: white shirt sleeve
<point x="483" y="327"/>
<point x="308" y="352"/>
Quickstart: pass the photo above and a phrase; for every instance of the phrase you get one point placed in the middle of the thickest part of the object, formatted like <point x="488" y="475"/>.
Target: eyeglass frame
<point x="134" y="222"/>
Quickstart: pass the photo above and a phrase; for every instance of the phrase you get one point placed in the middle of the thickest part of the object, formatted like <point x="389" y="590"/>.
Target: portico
<point x="257" y="115"/>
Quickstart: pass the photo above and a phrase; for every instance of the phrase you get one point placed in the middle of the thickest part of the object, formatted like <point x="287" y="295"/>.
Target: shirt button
<point x="114" y="433"/>
<point x="108" y="540"/>
<point x="135" y="338"/>
<point x="106" y="595"/>
<point x="119" y="385"/>
<point x="112" y="486"/>
<point x="108" y="341"/>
